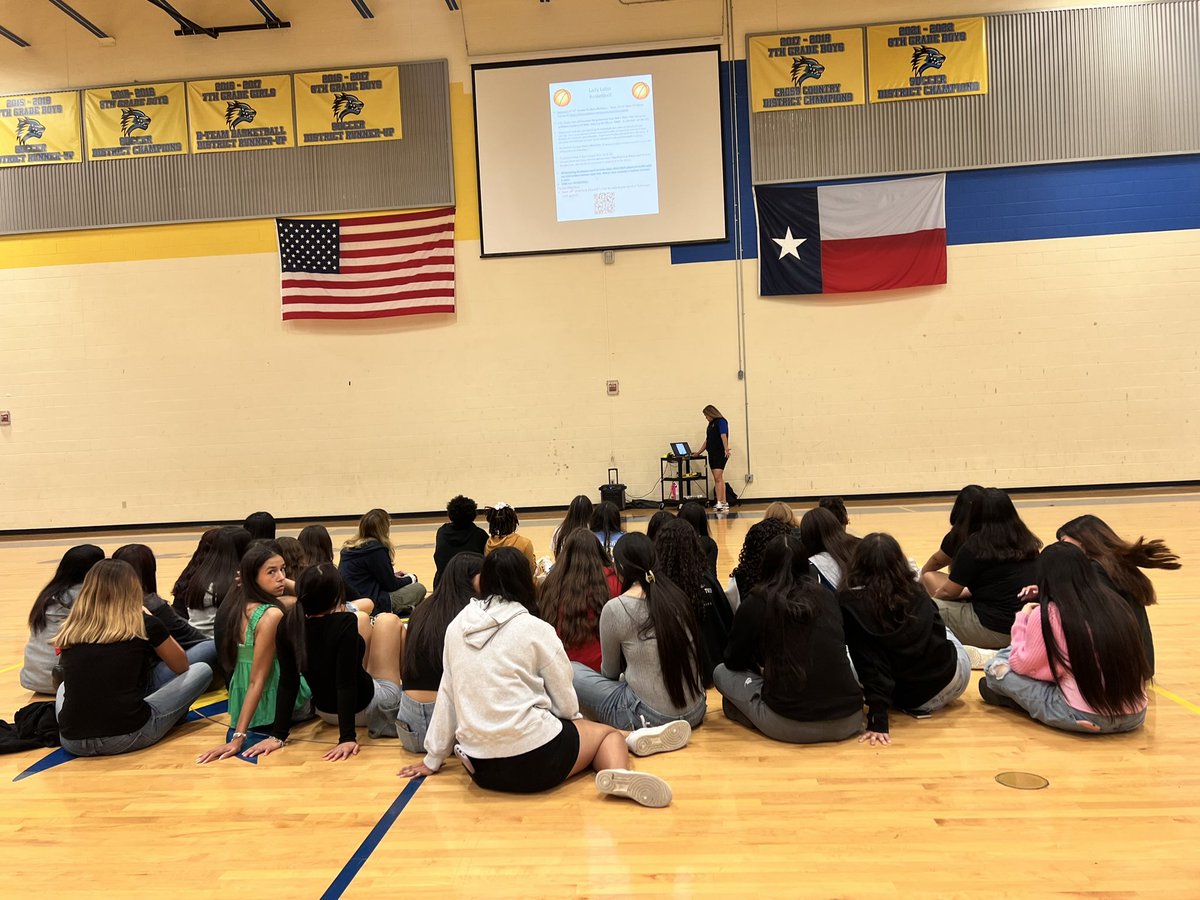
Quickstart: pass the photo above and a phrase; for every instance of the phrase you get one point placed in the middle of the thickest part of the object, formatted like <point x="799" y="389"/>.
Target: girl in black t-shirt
<point x="681" y="559"/>
<point x="964" y="522"/>
<point x="716" y="442"/>
<point x="108" y="649"/>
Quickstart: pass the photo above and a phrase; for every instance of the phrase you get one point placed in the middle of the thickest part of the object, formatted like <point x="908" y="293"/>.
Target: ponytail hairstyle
<point x="108" y="609"/>
<point x="318" y="591"/>
<point x="791" y="596"/>
<point x="375" y="525"/>
<point x="1121" y="561"/>
<point x="606" y="520"/>
<point x="576" y="589"/>
<point x="657" y="521"/>
<point x="681" y="559"/>
<point x="837" y="506"/>
<point x="199" y="555"/>
<point x="670" y="619"/>
<point x="579" y="515"/>
<point x="72" y="569"/>
<point x="749" y="565"/>
<point x="879" y="573"/>
<point x="821" y="532"/>
<point x="1104" y="651"/>
<point x="317" y="544"/>
<point x="505" y="574"/>
<point x="1001" y="535"/>
<point x="233" y="607"/>
<point x="693" y="513"/>
<point x="293" y="557"/>
<point x="142" y="559"/>
<point x="964" y="515"/>
<point x="781" y="511"/>
<point x="502" y="520"/>
<point x="429" y="620"/>
<point x="219" y="567"/>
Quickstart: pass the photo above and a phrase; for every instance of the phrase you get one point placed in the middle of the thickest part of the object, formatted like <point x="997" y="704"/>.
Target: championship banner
<point x="804" y="70"/>
<point x="348" y="105"/>
<point x="135" y="120"/>
<point x="918" y="60"/>
<point x="40" y="128"/>
<point x="241" y="114"/>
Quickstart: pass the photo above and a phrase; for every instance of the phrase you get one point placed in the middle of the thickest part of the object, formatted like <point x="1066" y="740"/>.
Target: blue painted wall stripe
<point x="367" y="847"/>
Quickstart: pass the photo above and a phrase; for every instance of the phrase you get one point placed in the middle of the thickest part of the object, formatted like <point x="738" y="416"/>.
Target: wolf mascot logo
<point x="926" y="58"/>
<point x="237" y="112"/>
<point x="805" y="67"/>
<point x="346" y="105"/>
<point x="133" y="120"/>
<point x="29" y="130"/>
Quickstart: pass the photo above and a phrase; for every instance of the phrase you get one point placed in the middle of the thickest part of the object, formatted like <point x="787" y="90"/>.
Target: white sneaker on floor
<point x="720" y="507"/>
<point x="663" y="739"/>
<point x="640" y="787"/>
<point x="978" y="656"/>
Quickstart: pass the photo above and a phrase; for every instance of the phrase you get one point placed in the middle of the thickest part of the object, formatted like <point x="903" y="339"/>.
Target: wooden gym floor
<point x="924" y="817"/>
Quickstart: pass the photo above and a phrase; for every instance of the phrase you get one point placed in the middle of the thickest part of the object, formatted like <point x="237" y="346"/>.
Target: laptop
<point x="680" y="449"/>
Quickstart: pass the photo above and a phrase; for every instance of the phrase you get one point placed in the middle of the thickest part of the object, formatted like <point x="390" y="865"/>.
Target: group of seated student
<point x="815" y="625"/>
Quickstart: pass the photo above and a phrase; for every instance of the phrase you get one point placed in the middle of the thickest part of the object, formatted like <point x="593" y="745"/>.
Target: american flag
<point x="368" y="267"/>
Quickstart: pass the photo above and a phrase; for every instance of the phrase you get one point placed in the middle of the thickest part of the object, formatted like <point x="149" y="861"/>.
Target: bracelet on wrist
<point x="240" y="734"/>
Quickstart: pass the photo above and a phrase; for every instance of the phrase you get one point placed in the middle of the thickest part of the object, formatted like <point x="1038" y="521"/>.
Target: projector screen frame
<point x="715" y="49"/>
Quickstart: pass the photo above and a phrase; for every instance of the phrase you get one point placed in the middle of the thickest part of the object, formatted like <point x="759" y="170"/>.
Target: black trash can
<point x="614" y="491"/>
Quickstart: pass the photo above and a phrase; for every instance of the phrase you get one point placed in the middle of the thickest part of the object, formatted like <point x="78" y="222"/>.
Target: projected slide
<point x="604" y="155"/>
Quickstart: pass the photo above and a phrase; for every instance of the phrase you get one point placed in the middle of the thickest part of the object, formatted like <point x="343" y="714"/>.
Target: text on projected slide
<point x="604" y="157"/>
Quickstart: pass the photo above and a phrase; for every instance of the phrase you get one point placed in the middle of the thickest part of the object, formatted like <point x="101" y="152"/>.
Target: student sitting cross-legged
<point x="108" y="645"/>
<point x="786" y="673"/>
<point x="506" y="707"/>
<point x="49" y="612"/>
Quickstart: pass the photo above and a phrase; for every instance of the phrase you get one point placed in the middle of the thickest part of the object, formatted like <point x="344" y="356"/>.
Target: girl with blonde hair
<point x="367" y="565"/>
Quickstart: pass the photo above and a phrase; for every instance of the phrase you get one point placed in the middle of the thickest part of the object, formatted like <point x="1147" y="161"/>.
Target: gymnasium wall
<point x="151" y="379"/>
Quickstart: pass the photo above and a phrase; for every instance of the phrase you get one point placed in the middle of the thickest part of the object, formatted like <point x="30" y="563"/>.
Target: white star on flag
<point x="788" y="245"/>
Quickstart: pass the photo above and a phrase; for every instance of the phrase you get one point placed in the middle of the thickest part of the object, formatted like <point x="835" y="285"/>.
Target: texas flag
<point x="843" y="238"/>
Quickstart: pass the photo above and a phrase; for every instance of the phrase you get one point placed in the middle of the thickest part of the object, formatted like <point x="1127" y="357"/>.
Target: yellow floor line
<point x="1171" y="695"/>
<point x="211" y="697"/>
<point x="10" y="668"/>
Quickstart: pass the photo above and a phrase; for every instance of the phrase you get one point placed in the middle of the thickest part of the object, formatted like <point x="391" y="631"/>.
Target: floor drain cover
<point x="1023" y="781"/>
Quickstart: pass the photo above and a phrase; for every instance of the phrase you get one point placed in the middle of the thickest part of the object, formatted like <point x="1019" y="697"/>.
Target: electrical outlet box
<point x="749" y="478"/>
<point x="612" y="388"/>
<point x="5" y="417"/>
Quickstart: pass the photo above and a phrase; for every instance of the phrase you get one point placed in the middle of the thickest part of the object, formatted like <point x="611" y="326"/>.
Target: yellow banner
<point x="135" y="120"/>
<point x="40" y="128"/>
<point x="918" y="60"/>
<point x="348" y="105"/>
<point x="807" y="70"/>
<point x="253" y="113"/>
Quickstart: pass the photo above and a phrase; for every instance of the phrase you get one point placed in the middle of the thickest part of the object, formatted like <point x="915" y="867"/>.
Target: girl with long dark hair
<point x="579" y="515"/>
<point x="649" y="634"/>
<point x="786" y="673"/>
<point x="107" y="644"/>
<point x="827" y="545"/>
<point x="367" y="565"/>
<point x="199" y="555"/>
<point x="1120" y="564"/>
<point x="979" y="599"/>
<point x="693" y="513"/>
<point x="574" y="594"/>
<point x="749" y="568"/>
<point x="50" y="611"/>
<point x="352" y="684"/>
<point x="904" y="655"/>
<point x="214" y="578"/>
<point x="317" y="547"/>
<point x="1076" y="660"/>
<point x="246" y="632"/>
<point x="506" y="707"/>
<point x="422" y="664"/>
<point x="606" y="525"/>
<point x="681" y="559"/>
<point x="964" y="522"/>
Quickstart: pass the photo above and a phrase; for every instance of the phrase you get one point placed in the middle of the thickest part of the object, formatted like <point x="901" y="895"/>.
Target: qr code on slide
<point x="604" y="203"/>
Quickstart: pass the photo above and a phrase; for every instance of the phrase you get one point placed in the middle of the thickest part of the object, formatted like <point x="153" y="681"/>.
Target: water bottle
<point x="674" y="491"/>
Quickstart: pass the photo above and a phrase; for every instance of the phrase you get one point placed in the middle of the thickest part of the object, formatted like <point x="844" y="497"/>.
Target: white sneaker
<point x="640" y="787"/>
<point x="978" y="656"/>
<point x="663" y="739"/>
<point x="720" y="507"/>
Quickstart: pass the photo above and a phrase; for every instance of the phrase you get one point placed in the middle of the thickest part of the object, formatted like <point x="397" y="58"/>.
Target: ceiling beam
<point x="271" y="19"/>
<point x="20" y="42"/>
<point x="363" y="9"/>
<point x="186" y="25"/>
<point x="79" y="18"/>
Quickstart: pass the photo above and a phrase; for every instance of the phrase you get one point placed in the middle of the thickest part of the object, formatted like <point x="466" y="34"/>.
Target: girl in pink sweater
<point x="1076" y="660"/>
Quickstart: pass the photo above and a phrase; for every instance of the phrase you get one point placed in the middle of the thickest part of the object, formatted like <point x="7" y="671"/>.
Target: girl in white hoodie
<point x="506" y="707"/>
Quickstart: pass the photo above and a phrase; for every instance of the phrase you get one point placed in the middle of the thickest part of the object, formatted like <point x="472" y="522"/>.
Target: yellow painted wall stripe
<point x="1175" y="698"/>
<point x="103" y="245"/>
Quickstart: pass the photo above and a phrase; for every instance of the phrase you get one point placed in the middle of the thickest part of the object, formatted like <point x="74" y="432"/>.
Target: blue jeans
<point x="1044" y="701"/>
<point x="168" y="707"/>
<point x="614" y="703"/>
<point x="412" y="723"/>
<point x="204" y="652"/>
<point x="958" y="684"/>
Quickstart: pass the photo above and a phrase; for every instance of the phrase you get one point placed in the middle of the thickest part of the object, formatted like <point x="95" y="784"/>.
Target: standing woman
<point x="1076" y="660"/>
<point x="506" y="708"/>
<point x="1121" y="564"/>
<point x="48" y="614"/>
<point x="716" y="442"/>
<point x="786" y="672"/>
<point x="251" y="614"/>
<point x="107" y="646"/>
<point x="368" y="566"/>
<point x="422" y="664"/>
<point x="650" y="671"/>
<point x="904" y="655"/>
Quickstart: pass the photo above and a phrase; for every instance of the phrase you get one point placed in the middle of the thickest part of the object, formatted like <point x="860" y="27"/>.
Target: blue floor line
<point x="49" y="761"/>
<point x="338" y="886"/>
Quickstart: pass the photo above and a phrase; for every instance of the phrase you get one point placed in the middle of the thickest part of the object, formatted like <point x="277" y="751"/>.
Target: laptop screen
<point x="680" y="448"/>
